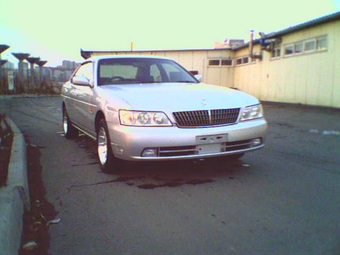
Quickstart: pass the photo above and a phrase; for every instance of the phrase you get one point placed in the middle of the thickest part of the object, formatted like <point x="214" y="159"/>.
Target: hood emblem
<point x="203" y="102"/>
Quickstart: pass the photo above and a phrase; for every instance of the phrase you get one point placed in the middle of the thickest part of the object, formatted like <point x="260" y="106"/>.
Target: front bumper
<point x="173" y="143"/>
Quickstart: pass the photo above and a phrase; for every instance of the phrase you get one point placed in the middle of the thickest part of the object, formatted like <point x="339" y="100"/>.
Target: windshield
<point x="141" y="70"/>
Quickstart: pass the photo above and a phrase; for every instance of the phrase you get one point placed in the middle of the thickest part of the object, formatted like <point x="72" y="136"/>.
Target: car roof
<point x="97" y="58"/>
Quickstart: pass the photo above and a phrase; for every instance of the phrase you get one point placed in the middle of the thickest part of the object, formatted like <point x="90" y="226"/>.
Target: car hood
<point x="177" y="96"/>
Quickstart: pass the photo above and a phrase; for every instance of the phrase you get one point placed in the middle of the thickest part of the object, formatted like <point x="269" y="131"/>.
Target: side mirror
<point x="198" y="77"/>
<point x="81" y="80"/>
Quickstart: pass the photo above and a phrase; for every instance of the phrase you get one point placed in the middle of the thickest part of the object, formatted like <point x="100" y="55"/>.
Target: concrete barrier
<point x="14" y="198"/>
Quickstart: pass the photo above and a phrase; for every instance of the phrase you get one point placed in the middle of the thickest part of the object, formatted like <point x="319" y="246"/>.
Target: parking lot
<point x="283" y="199"/>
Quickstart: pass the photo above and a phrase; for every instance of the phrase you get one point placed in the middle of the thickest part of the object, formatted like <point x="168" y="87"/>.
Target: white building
<point x="299" y="64"/>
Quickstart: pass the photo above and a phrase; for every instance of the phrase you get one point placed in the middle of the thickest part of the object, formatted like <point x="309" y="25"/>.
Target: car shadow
<point x="158" y="174"/>
<point x="150" y="175"/>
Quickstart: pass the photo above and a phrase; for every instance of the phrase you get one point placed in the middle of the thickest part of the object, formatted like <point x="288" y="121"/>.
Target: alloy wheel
<point x="102" y="146"/>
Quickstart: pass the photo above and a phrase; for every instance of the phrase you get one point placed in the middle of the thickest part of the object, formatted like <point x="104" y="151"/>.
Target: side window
<point x="155" y="73"/>
<point x="86" y="70"/>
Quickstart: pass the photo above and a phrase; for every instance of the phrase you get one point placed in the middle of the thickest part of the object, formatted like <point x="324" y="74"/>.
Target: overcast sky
<point x="55" y="30"/>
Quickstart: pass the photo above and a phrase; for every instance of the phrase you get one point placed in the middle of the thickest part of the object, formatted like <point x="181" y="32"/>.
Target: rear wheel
<point x="69" y="130"/>
<point x="107" y="161"/>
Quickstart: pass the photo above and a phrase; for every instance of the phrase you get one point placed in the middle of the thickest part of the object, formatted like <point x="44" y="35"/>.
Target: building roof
<point x="88" y="53"/>
<point x="311" y="23"/>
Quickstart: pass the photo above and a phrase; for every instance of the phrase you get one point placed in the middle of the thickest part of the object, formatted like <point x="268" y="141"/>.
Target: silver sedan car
<point x="151" y="108"/>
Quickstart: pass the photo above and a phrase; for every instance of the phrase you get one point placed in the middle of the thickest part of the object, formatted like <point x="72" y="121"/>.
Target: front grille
<point x="203" y="118"/>
<point x="177" y="151"/>
<point x="193" y="150"/>
<point x="239" y="145"/>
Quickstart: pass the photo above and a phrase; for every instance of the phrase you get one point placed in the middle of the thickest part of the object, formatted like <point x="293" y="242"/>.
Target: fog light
<point x="257" y="142"/>
<point x="150" y="152"/>
<point x="118" y="150"/>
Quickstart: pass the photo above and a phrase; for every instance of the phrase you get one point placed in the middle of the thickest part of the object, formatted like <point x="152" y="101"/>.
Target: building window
<point x="242" y="61"/>
<point x="226" y="62"/>
<point x="321" y="43"/>
<point x="298" y="48"/>
<point x="306" y="46"/>
<point x="289" y="49"/>
<point x="220" y="62"/>
<point x="276" y="52"/>
<point x="214" y="62"/>
<point x="310" y="45"/>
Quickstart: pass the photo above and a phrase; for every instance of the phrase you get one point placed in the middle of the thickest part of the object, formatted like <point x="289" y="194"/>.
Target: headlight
<point x="252" y="112"/>
<point x="141" y="118"/>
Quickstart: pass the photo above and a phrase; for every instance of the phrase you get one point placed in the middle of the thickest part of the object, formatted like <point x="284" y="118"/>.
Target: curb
<point x="14" y="198"/>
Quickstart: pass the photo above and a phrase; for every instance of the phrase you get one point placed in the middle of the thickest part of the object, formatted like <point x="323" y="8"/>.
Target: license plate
<point x="210" y="143"/>
<point x="208" y="148"/>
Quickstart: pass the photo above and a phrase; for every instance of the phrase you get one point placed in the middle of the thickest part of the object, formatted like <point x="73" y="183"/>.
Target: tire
<point x="107" y="161"/>
<point x="69" y="130"/>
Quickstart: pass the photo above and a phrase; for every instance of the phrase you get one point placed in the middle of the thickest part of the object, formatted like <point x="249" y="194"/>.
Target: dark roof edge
<point x="318" y="21"/>
<point x="315" y="22"/>
<point x="87" y="53"/>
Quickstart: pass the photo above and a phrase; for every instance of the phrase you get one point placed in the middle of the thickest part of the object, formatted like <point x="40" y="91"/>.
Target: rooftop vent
<point x="229" y="43"/>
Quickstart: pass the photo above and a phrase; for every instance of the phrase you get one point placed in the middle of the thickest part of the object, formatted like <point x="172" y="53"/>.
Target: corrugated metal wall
<point x="312" y="79"/>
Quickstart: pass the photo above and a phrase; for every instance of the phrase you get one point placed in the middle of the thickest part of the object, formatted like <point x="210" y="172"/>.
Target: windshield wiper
<point x="147" y="82"/>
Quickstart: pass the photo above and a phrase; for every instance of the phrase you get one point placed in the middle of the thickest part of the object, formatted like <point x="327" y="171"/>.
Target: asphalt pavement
<point x="282" y="199"/>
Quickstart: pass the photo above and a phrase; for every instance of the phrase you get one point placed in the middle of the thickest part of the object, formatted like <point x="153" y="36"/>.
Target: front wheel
<point x="107" y="161"/>
<point x="69" y="130"/>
